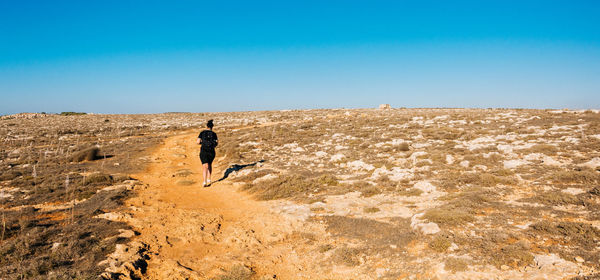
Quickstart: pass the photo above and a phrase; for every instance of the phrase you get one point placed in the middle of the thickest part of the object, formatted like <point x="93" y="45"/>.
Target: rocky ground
<point x="312" y="194"/>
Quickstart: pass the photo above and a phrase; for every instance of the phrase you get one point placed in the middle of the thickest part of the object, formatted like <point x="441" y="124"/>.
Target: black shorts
<point x="207" y="156"/>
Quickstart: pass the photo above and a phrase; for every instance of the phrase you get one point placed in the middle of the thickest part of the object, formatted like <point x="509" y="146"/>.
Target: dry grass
<point x="471" y="199"/>
<point x="98" y="178"/>
<point x="371" y="209"/>
<point x="410" y="192"/>
<point x="325" y="248"/>
<point x="583" y="176"/>
<point x="327" y="180"/>
<point x="284" y="186"/>
<point x="583" y="234"/>
<point x="455" y="264"/>
<point x="555" y="198"/>
<point x="514" y="255"/>
<point x="375" y="234"/>
<point x="448" y="217"/>
<point x="485" y="180"/>
<point x="347" y="256"/>
<point x="369" y="191"/>
<point x="546" y="149"/>
<point x="452" y="179"/>
<point x="440" y="243"/>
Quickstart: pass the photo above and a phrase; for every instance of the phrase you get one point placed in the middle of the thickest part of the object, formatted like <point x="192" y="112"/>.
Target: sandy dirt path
<point x="199" y="233"/>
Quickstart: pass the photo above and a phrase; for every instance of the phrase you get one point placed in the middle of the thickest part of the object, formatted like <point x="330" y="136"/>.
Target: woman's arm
<point x="199" y="141"/>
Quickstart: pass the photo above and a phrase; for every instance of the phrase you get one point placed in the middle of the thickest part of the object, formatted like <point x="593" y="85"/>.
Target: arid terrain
<point x="303" y="194"/>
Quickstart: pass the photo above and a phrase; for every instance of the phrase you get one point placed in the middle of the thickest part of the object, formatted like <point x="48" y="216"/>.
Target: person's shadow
<point x="237" y="167"/>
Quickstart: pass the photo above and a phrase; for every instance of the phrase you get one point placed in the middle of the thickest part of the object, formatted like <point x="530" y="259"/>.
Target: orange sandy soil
<point x="201" y="232"/>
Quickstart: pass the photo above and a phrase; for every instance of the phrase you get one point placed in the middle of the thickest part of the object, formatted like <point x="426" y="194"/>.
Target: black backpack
<point x="209" y="140"/>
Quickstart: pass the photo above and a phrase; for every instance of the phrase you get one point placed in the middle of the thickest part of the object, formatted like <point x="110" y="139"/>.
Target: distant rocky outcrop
<point x="24" y="116"/>
<point x="385" y="106"/>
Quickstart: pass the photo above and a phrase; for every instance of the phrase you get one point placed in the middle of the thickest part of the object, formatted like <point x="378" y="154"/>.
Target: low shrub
<point x="585" y="176"/>
<point x="448" y="216"/>
<point x="371" y="209"/>
<point x="455" y="264"/>
<point x="72" y="113"/>
<point x="514" y="255"/>
<point x="98" y="178"/>
<point x="88" y="154"/>
<point x="284" y="186"/>
<point x="440" y="244"/>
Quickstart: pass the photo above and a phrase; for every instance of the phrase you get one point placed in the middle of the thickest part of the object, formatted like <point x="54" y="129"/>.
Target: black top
<point x="209" y="140"/>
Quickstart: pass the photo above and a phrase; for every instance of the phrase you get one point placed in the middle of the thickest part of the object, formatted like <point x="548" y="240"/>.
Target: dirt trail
<point x="200" y="232"/>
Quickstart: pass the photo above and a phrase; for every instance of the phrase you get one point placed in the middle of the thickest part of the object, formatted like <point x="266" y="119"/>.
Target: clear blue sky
<point x="151" y="56"/>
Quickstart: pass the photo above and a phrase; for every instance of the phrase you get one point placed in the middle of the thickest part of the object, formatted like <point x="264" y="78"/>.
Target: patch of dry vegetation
<point x="577" y="239"/>
<point x="448" y="216"/>
<point x="347" y="256"/>
<point x="546" y="149"/>
<point x="582" y="176"/>
<point x="372" y="210"/>
<point x="555" y="198"/>
<point x="284" y="186"/>
<point x="514" y="255"/>
<point x="440" y="243"/>
<point x="376" y="235"/>
<point x="455" y="264"/>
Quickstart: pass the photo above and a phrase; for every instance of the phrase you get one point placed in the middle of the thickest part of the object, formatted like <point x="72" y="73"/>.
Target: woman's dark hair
<point x="210" y="124"/>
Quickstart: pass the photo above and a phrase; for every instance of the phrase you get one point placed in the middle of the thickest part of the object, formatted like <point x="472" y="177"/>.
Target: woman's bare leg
<point x="205" y="172"/>
<point x="209" y="172"/>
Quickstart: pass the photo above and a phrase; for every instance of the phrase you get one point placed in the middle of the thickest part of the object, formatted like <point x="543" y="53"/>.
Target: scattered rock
<point x="480" y="167"/>
<point x="298" y="150"/>
<point x="449" y="159"/>
<point x="126" y="233"/>
<point x="127" y="262"/>
<point x="320" y="154"/>
<point x="514" y="163"/>
<point x="593" y="163"/>
<point x="573" y="191"/>
<point x="114" y="216"/>
<point x="425" y="186"/>
<point x="337" y="157"/>
<point x="425" y="227"/>
<point x="265" y="178"/>
<point x="359" y="164"/>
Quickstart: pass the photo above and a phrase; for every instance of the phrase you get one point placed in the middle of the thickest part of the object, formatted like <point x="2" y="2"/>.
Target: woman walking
<point x="208" y="139"/>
